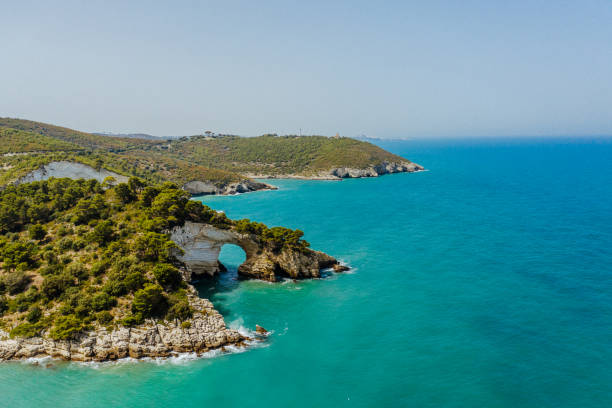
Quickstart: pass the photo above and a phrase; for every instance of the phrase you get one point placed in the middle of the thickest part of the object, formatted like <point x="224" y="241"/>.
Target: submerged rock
<point x="340" y="268"/>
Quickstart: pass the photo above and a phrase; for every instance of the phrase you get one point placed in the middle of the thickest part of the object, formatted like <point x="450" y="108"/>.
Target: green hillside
<point x="85" y="140"/>
<point x="45" y="143"/>
<point x="76" y="255"/>
<point x="20" y="141"/>
<point x="219" y="160"/>
<point x="272" y="155"/>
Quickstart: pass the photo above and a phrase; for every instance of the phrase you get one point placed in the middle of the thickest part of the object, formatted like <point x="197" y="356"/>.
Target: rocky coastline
<point x="206" y="329"/>
<point x="339" y="173"/>
<point x="197" y="187"/>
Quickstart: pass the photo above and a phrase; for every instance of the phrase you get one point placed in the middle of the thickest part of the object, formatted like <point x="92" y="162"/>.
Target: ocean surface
<point x="485" y="281"/>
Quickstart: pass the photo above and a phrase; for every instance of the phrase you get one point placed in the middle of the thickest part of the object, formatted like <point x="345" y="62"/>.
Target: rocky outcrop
<point x="198" y="187"/>
<point x="377" y="170"/>
<point x="205" y="331"/>
<point x="339" y="173"/>
<point x="73" y="170"/>
<point x="201" y="244"/>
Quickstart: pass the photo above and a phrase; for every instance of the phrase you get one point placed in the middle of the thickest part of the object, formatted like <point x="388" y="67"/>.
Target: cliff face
<point x="202" y="243"/>
<point x="73" y="170"/>
<point x="375" y="171"/>
<point x="338" y="173"/>
<point x="197" y="187"/>
<point x="206" y="331"/>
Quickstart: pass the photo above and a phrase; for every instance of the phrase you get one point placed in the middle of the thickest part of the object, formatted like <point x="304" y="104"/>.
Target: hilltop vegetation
<point x="77" y="254"/>
<point x="40" y="144"/>
<point x="273" y="155"/>
<point x="19" y="141"/>
<point x="82" y="139"/>
<point x="219" y="160"/>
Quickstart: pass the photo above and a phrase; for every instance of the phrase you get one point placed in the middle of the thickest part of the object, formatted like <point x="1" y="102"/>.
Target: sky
<point x="386" y="69"/>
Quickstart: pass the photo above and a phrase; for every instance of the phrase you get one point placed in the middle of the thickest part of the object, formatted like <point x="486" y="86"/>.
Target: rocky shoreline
<point x="205" y="331"/>
<point x="339" y="173"/>
<point x="197" y="187"/>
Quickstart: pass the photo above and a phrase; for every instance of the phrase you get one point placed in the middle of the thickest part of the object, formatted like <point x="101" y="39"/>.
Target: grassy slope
<point x="280" y="154"/>
<point x="122" y="155"/>
<point x="220" y="160"/>
<point x="20" y="141"/>
<point x="86" y="140"/>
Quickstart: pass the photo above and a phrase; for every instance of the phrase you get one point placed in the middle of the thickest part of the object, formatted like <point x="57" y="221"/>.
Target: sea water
<point x="482" y="282"/>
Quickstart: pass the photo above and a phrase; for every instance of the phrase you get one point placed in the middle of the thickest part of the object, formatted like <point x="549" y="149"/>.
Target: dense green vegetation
<point x="82" y="139"/>
<point x="41" y="143"/>
<point x="272" y="155"/>
<point x="75" y="254"/>
<point x="19" y="141"/>
<point x="220" y="160"/>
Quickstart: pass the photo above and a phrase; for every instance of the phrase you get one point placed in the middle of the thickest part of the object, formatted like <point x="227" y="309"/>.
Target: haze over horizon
<point x="392" y="70"/>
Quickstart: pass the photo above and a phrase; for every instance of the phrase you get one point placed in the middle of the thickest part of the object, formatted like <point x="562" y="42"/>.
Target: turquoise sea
<point x="484" y="282"/>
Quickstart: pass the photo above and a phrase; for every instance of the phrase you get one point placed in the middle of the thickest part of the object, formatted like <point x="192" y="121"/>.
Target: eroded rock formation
<point x="198" y="187"/>
<point x="202" y="243"/>
<point x="73" y="170"/>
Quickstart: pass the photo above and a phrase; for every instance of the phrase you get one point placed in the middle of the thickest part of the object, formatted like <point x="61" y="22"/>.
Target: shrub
<point x="167" y="276"/>
<point x="66" y="327"/>
<point x="153" y="247"/>
<point x="78" y="271"/>
<point x="64" y="230"/>
<point x="134" y="280"/>
<point x="34" y="314"/>
<point x="54" y="285"/>
<point x="64" y="244"/>
<point x="16" y="282"/>
<point x="132" y="320"/>
<point x="102" y="301"/>
<point x="98" y="268"/>
<point x="24" y="301"/>
<point x="104" y="317"/>
<point x="3" y="305"/>
<point x="115" y="287"/>
<point x="150" y="301"/>
<point x="180" y="310"/>
<point x="103" y="233"/>
<point x="37" y="232"/>
<point x="124" y="193"/>
<point x="19" y="254"/>
<point x="25" y="330"/>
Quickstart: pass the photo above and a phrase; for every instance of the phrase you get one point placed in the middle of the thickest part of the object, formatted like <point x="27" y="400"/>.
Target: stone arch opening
<point x="231" y="256"/>
<point x="200" y="246"/>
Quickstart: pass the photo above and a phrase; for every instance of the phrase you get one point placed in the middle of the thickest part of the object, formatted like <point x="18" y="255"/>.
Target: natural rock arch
<point x="201" y="244"/>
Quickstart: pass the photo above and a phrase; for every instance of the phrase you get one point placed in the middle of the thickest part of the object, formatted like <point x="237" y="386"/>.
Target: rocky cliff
<point x="197" y="187"/>
<point x="201" y="244"/>
<point x="338" y="173"/>
<point x="375" y="171"/>
<point x="205" y="331"/>
<point x="73" y="170"/>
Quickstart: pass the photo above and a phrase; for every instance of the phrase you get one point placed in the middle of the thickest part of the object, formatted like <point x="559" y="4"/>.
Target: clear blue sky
<point x="384" y="69"/>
